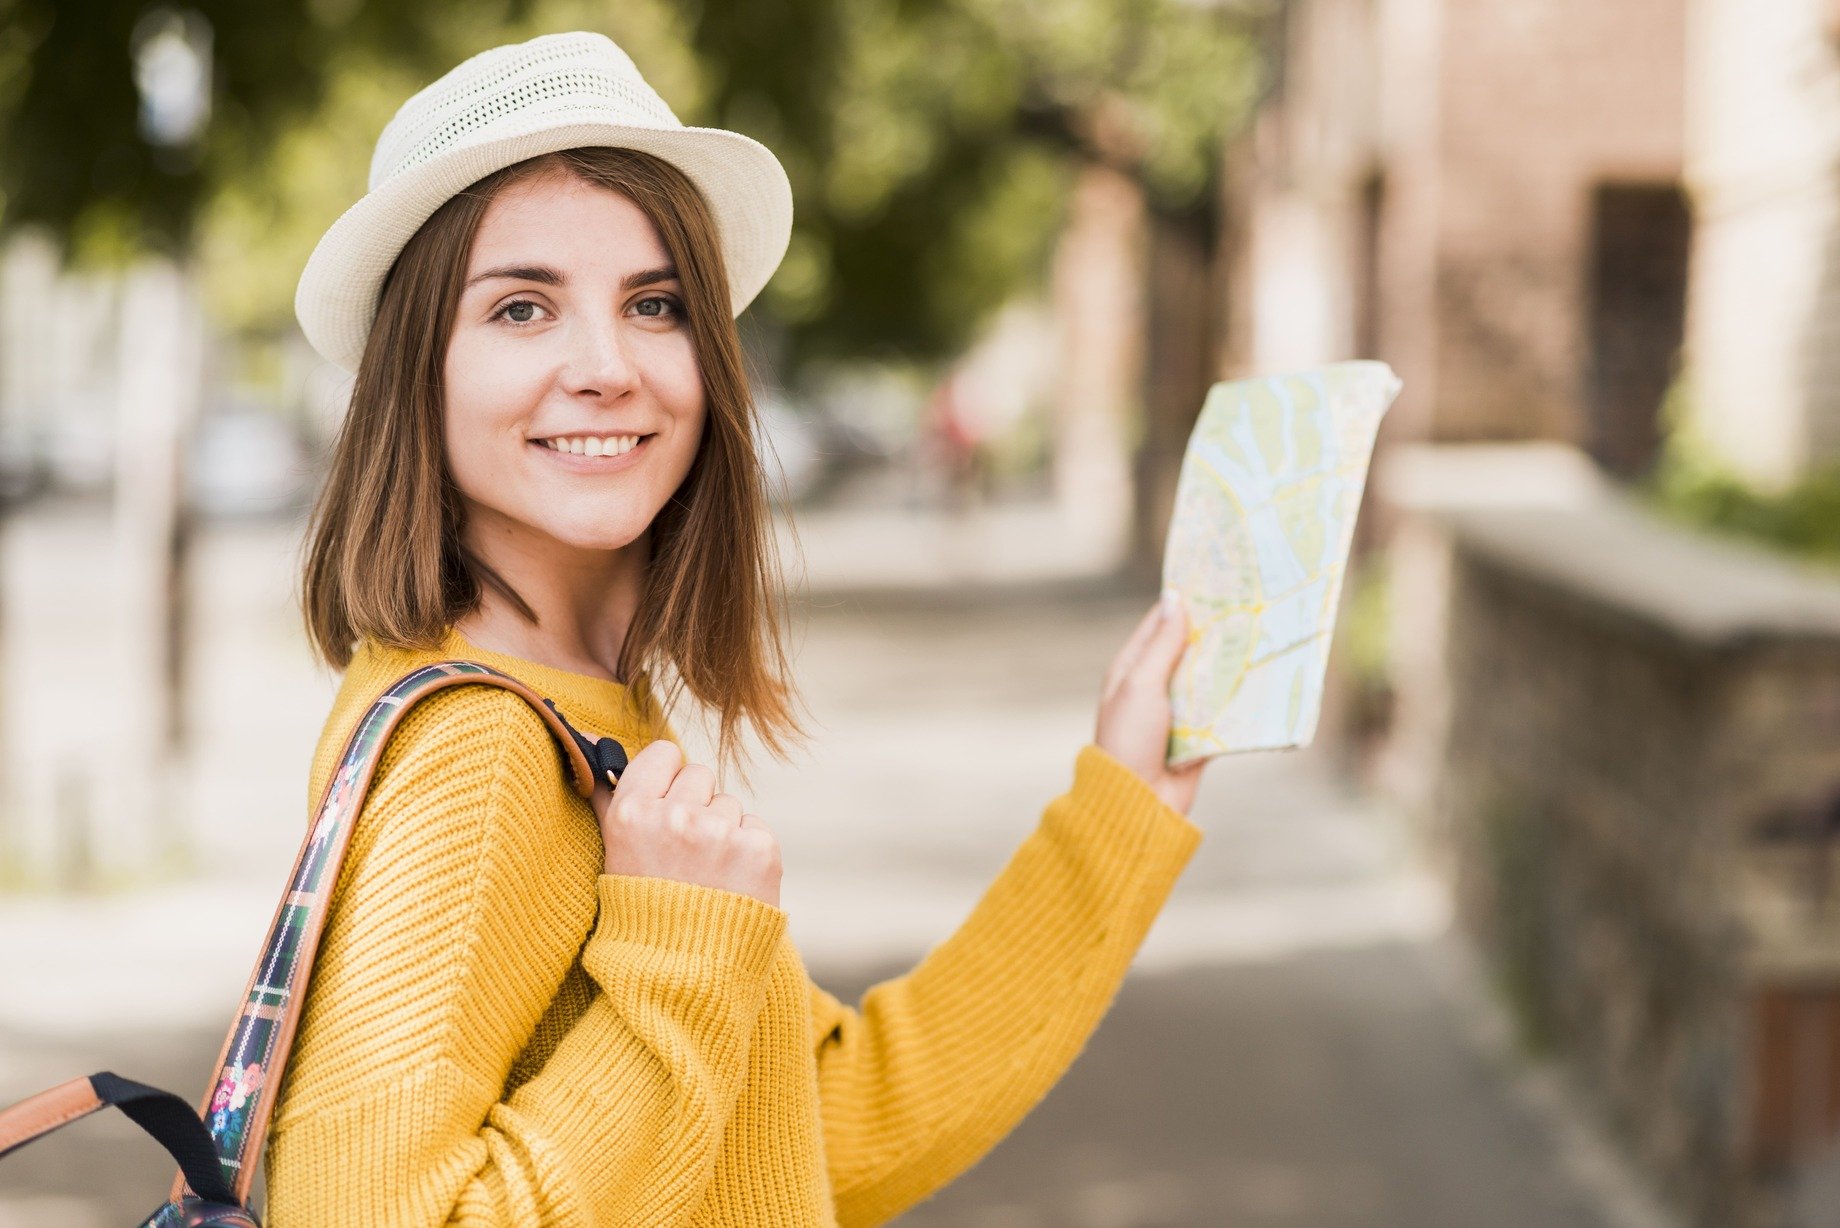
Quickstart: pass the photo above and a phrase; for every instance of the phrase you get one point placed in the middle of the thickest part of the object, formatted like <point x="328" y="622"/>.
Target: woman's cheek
<point x="467" y="438"/>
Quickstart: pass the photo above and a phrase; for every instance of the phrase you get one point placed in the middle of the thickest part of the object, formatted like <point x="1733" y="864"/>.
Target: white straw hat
<point x="556" y="92"/>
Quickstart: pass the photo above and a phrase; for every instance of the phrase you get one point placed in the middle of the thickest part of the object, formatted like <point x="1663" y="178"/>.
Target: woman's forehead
<point x="563" y="221"/>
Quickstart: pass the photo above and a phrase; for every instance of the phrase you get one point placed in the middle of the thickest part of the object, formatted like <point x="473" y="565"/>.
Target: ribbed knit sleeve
<point x="938" y="1065"/>
<point x="472" y="877"/>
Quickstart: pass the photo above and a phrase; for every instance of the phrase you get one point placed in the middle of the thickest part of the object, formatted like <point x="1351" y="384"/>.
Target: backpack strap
<point x="165" y="1116"/>
<point x="237" y="1108"/>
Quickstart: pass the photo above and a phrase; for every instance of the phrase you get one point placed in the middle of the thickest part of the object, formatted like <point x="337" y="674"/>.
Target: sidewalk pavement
<point x="1301" y="1042"/>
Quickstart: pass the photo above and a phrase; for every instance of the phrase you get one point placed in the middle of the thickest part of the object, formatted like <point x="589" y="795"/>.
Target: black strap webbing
<point x="174" y="1124"/>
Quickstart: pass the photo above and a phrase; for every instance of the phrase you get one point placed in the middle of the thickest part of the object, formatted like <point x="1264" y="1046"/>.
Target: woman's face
<point x="568" y="341"/>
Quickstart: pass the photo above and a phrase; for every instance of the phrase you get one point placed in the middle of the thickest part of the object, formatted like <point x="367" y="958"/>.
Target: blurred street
<point x="1299" y="1044"/>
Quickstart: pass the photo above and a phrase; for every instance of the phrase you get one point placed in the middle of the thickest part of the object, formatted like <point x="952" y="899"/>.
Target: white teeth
<point x="593" y="445"/>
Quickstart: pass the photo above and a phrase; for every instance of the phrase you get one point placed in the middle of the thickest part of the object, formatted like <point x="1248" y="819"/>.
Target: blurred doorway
<point x="1640" y="236"/>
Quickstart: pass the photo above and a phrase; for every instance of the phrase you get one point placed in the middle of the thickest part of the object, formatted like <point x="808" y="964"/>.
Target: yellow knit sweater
<point x="498" y="1033"/>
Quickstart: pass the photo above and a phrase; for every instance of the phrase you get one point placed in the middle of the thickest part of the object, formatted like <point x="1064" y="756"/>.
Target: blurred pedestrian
<point x="955" y="438"/>
<point x="531" y="1008"/>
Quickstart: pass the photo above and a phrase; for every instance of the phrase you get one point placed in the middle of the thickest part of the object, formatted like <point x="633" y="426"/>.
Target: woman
<point x="534" y="1009"/>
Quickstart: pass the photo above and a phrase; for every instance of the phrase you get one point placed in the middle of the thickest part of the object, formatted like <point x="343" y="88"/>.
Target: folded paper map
<point x="1264" y="517"/>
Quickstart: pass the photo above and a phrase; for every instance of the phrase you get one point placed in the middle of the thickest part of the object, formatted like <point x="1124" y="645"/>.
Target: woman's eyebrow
<point x="646" y="277"/>
<point x="544" y="275"/>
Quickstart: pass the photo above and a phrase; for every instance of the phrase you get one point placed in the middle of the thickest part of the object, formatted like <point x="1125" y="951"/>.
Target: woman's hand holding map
<point x="1134" y="712"/>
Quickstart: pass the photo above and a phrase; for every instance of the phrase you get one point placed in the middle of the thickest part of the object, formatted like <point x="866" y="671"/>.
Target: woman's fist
<point x="665" y="820"/>
<point x="1134" y="715"/>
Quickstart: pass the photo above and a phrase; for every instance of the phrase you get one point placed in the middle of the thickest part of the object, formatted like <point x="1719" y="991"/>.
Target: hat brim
<point x="745" y="185"/>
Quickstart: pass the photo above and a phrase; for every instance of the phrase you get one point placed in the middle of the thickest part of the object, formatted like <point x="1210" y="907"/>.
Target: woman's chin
<point x="594" y="537"/>
<point x="549" y="518"/>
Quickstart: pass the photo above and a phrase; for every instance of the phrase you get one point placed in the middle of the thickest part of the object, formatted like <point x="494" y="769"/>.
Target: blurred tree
<point x="74" y="153"/>
<point x="931" y="144"/>
<point x="1150" y="90"/>
<point x="934" y="145"/>
<point x="927" y="140"/>
<point x="260" y="225"/>
<point x="120" y="121"/>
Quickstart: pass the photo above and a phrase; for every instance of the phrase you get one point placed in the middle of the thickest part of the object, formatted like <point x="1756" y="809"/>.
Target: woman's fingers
<point x="695" y="783"/>
<point x="1159" y="657"/>
<point x="665" y="820"/>
<point x="658" y="771"/>
<point x="1127" y="653"/>
<point x="651" y="771"/>
<point x="1155" y="643"/>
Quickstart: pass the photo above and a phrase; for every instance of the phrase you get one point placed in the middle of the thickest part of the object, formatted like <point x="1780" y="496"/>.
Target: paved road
<point x="1299" y="1042"/>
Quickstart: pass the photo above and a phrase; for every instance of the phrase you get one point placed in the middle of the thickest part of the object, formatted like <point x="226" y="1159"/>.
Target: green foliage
<point x="1184" y="76"/>
<point x="1692" y="483"/>
<point x="930" y="143"/>
<point x="72" y="157"/>
<point x="1366" y="620"/>
<point x="1518" y="856"/>
<point x="258" y="228"/>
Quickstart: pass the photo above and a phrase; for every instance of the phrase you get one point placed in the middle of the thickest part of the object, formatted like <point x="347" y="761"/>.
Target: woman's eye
<point x="668" y="307"/>
<point x="518" y="311"/>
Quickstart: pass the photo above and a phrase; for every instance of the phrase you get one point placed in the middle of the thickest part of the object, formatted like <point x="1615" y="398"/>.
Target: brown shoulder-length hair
<point x="384" y="558"/>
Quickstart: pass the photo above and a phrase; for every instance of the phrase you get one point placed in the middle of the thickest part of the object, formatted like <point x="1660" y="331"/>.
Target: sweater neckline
<point x="601" y="704"/>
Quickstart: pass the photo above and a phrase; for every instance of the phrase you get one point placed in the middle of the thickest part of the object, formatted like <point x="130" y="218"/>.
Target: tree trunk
<point x="1183" y="326"/>
<point x="1098" y="286"/>
<point x="161" y="385"/>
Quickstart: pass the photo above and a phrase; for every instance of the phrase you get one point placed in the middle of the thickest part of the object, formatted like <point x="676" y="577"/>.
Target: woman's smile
<point x="593" y="453"/>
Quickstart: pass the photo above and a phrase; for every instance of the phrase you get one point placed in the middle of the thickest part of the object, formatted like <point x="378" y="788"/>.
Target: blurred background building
<point x="1490" y="195"/>
<point x="1579" y="772"/>
<point x="1596" y="240"/>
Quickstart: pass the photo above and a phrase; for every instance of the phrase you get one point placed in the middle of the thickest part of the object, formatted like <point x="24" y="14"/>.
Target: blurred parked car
<point x="812" y="449"/>
<point x="247" y="461"/>
<point x="24" y="472"/>
<point x="77" y="446"/>
<point x="792" y="449"/>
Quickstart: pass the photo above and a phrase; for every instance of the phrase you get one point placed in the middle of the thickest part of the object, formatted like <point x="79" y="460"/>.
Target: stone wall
<point x="1624" y="741"/>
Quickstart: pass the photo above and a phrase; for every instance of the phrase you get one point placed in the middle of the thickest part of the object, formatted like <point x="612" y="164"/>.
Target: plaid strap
<point x="238" y="1106"/>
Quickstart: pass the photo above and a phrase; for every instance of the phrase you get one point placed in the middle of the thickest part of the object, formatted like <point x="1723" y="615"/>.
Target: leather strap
<point x="45" y="1112"/>
<point x="237" y="1109"/>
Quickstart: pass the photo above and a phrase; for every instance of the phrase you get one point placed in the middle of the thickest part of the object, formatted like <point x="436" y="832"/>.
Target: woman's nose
<point x="599" y="362"/>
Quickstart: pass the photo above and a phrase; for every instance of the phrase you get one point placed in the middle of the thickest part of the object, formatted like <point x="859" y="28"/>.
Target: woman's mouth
<point x="597" y="452"/>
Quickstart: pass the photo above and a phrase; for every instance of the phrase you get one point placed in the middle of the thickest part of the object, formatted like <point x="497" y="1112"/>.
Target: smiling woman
<point x="572" y="297"/>
<point x="532" y="1007"/>
<point x="571" y="329"/>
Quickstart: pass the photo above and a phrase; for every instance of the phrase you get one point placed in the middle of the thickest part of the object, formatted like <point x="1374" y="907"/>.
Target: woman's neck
<point x="584" y="601"/>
